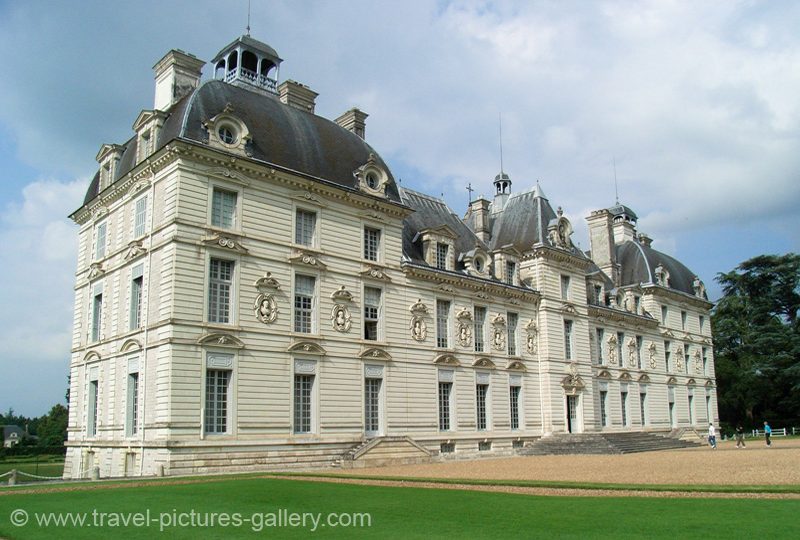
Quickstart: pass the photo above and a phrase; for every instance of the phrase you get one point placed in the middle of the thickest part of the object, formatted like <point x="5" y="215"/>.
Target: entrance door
<point x="372" y="404"/>
<point x="572" y="414"/>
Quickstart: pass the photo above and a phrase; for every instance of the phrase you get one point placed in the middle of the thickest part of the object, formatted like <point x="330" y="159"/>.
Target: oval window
<point x="372" y="181"/>
<point x="479" y="264"/>
<point x="226" y="135"/>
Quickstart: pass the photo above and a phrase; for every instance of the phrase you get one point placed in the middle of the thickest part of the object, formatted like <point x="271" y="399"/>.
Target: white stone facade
<point x="235" y="314"/>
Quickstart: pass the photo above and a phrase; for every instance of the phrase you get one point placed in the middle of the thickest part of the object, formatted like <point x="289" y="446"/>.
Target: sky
<point x="691" y="105"/>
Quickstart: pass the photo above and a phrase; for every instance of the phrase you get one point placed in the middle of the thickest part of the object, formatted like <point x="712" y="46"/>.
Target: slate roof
<point x="281" y="136"/>
<point x="523" y="221"/>
<point x="638" y="264"/>
<point x="429" y="213"/>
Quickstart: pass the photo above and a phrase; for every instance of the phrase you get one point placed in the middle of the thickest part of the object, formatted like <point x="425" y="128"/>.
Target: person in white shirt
<point x="712" y="436"/>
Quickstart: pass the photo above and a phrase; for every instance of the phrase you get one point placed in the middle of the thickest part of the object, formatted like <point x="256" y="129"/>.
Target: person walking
<point x="712" y="436"/>
<point x="739" y="436"/>
<point x="767" y="433"/>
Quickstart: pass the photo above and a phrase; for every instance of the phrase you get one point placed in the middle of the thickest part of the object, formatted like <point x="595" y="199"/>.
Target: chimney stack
<point x="297" y="95"/>
<point x="353" y="120"/>
<point x="478" y="215"/>
<point x="601" y="241"/>
<point x="177" y="74"/>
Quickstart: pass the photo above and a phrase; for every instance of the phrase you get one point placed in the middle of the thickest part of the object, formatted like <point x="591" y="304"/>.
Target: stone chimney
<point x="624" y="230"/>
<point x="478" y="218"/>
<point x="177" y="74"/>
<point x="353" y="120"/>
<point x="601" y="241"/>
<point x="297" y="95"/>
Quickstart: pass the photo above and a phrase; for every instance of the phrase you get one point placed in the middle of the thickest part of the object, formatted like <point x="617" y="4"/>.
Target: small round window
<point x="226" y="135"/>
<point x="479" y="264"/>
<point x="372" y="181"/>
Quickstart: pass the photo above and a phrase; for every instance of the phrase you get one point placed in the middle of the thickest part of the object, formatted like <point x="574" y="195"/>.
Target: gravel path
<point x="727" y="465"/>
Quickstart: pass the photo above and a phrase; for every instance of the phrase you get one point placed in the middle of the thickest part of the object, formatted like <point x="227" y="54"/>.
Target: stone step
<point x="604" y="443"/>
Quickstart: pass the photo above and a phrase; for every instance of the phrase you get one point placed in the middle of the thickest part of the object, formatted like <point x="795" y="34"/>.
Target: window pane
<point x="514" y="392"/>
<point x="441" y="256"/>
<point x="97" y="316"/>
<point x="442" y="323"/>
<point x="133" y="403"/>
<point x="217" y="400"/>
<point x="100" y="241"/>
<point x="372" y="305"/>
<point x="303" y="385"/>
<point x="219" y="291"/>
<point x="480" y="321"/>
<point x="371" y="243"/>
<point x="480" y="398"/>
<point x="445" y="388"/>
<point x="372" y="389"/>
<point x="512" y="333"/>
<point x="305" y="223"/>
<point x="223" y="208"/>
<point x="304" y="303"/>
<point x="140" y="215"/>
<point x="136" y="303"/>
<point x="511" y="269"/>
<point x="568" y="340"/>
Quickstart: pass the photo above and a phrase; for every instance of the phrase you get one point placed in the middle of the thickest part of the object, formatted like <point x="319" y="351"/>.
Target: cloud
<point x="39" y="268"/>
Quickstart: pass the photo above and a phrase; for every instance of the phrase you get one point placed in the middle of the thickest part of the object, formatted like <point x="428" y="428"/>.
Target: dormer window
<point x="372" y="181"/>
<point x="479" y="264"/>
<point x="226" y="135"/>
<point x="511" y="271"/>
<point x="229" y="133"/>
<point x="442" y="252"/>
<point x="372" y="178"/>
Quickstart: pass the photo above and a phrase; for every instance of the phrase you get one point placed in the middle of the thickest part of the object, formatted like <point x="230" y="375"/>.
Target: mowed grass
<point x="406" y="512"/>
<point x="46" y="466"/>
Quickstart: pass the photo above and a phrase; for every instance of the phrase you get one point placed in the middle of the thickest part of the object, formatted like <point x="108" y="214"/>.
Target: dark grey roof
<point x="429" y="213"/>
<point x="249" y="43"/>
<point x="619" y="209"/>
<point x="8" y="430"/>
<point x="638" y="264"/>
<point x="523" y="221"/>
<point x="281" y="136"/>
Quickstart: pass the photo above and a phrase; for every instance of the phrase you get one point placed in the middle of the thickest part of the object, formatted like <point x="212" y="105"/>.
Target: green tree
<point x="757" y="340"/>
<point x="53" y="426"/>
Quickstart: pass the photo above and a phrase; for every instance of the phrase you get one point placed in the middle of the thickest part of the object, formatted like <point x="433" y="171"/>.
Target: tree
<point x="757" y="340"/>
<point x="53" y="427"/>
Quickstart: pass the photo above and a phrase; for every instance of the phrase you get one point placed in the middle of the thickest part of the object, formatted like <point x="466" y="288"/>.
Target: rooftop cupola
<point x="502" y="191"/>
<point x="624" y="223"/>
<point x="249" y="63"/>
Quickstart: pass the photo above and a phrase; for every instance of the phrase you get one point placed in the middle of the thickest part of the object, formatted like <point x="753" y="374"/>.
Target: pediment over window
<point x="644" y="378"/>
<point x="308" y="197"/>
<point x="307" y="347"/>
<point x="672" y="380"/>
<point x="141" y="185"/>
<point x="131" y="345"/>
<point x="374" y="272"/>
<point x="373" y="353"/>
<point x="516" y="365"/>
<point x="91" y="356"/>
<point x="604" y="374"/>
<point x="230" y="175"/>
<point x="691" y="382"/>
<point x="709" y="384"/>
<point x="308" y="259"/>
<point x="220" y="339"/>
<point x="226" y="241"/>
<point x="625" y="376"/>
<point x="484" y="362"/>
<point x="568" y="307"/>
<point x="446" y="360"/>
<point x="572" y="384"/>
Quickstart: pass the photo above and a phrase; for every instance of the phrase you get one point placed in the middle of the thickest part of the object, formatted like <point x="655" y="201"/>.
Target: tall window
<point x="603" y="408"/>
<point x="442" y="323"/>
<point x="620" y="342"/>
<point x="303" y="386"/>
<point x="565" y="287"/>
<point x="132" y="416"/>
<point x="137" y="284"/>
<point x="445" y="391"/>
<point x="568" y="340"/>
<point x="220" y="282"/>
<point x="372" y="308"/>
<point x="702" y="322"/>
<point x="442" y="251"/>
<point x="686" y="357"/>
<point x="372" y="243"/>
<point x="637" y="303"/>
<point x="597" y="296"/>
<point x="304" y="289"/>
<point x="372" y="393"/>
<point x="514" y="392"/>
<point x="623" y="398"/>
<point x="100" y="240"/>
<point x="513" y="320"/>
<point x="683" y="320"/>
<point x="481" y="391"/>
<point x="304" y="227"/>
<point x="145" y="145"/>
<point x="217" y="386"/>
<point x="480" y="322"/>
<point x="97" y="313"/>
<point x="643" y="407"/>
<point x="691" y="409"/>
<point x="667" y="356"/>
<point x="705" y="361"/>
<point x="664" y="313"/>
<point x="639" y="344"/>
<point x="139" y="216"/>
<point x="91" y="413"/>
<point x="223" y="208"/>
<point x="600" y="337"/>
<point x="511" y="269"/>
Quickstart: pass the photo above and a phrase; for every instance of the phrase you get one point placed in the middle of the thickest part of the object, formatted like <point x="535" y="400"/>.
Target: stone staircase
<point x="603" y="443"/>
<point x="381" y="451"/>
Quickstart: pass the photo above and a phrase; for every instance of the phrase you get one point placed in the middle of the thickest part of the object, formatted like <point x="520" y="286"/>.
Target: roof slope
<point x="638" y="264"/>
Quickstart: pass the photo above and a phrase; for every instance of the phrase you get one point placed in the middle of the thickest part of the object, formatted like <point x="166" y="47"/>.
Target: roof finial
<point x="248" y="17"/>
<point x="470" y="190"/>
<point x="616" y="188"/>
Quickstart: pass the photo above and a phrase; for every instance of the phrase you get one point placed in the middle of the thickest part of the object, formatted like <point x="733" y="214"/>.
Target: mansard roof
<point x="638" y="264"/>
<point x="282" y="136"/>
<point x="430" y="213"/>
<point x="523" y="221"/>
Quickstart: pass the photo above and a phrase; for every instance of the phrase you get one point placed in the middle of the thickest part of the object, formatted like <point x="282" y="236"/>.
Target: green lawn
<point x="404" y="512"/>
<point x="44" y="466"/>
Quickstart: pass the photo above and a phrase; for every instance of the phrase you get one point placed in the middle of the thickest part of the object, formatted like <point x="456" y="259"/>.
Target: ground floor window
<point x="514" y="398"/>
<point x="217" y="394"/>
<point x="623" y="398"/>
<point x="132" y="416"/>
<point x="303" y="387"/>
<point x="445" y="391"/>
<point x="91" y="416"/>
<point x="603" y="408"/>
<point x="481" y="391"/>
<point x="643" y="407"/>
<point x="372" y="393"/>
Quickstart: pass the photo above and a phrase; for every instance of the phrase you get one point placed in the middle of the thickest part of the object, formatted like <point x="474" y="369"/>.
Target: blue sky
<point x="695" y="101"/>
